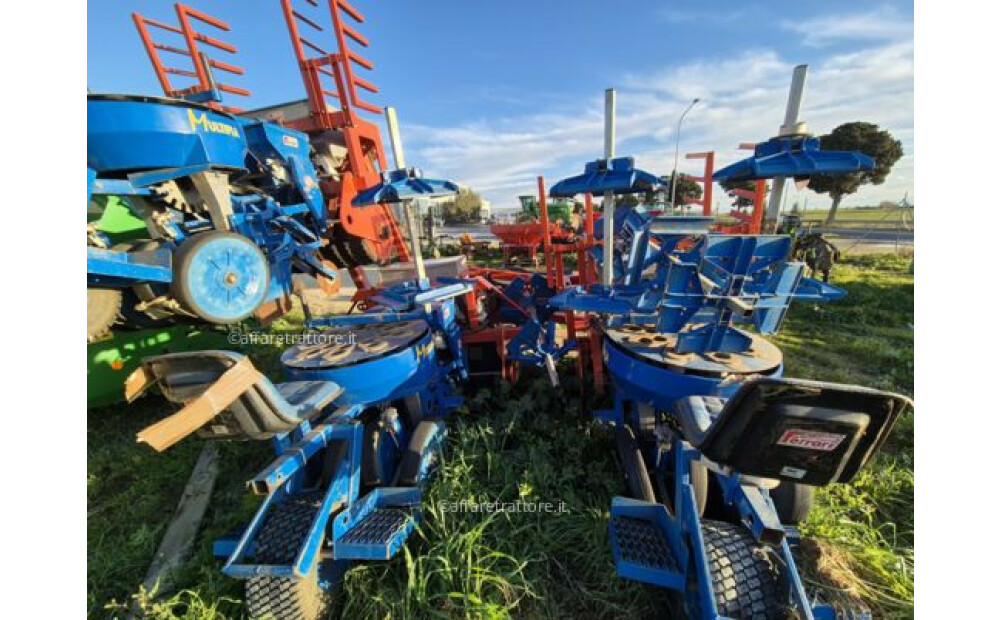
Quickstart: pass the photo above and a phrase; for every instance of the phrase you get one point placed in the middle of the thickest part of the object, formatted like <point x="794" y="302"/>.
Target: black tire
<point x="636" y="475"/>
<point x="699" y="481"/>
<point x="746" y="581"/>
<point x="180" y="288"/>
<point x="413" y="411"/>
<point x="408" y="471"/>
<point x="278" y="542"/>
<point x="104" y="307"/>
<point x="792" y="501"/>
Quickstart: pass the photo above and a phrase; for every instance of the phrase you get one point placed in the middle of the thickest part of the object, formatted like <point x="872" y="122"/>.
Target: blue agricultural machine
<point x="355" y="427"/>
<point x="232" y="207"/>
<point x="236" y="203"/>
<point x="700" y="406"/>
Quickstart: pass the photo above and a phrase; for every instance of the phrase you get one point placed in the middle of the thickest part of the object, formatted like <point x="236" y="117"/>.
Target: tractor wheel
<point x="103" y="310"/>
<point x="636" y="475"/>
<point x="792" y="501"/>
<point x="220" y="277"/>
<point x="417" y="458"/>
<point x="745" y="579"/>
<point x="699" y="482"/>
<point x="279" y="541"/>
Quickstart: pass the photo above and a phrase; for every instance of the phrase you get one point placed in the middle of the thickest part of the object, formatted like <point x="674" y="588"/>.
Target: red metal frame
<point x="579" y="327"/>
<point x="705" y="180"/>
<point x="203" y="82"/>
<point x="375" y="226"/>
<point x="750" y="224"/>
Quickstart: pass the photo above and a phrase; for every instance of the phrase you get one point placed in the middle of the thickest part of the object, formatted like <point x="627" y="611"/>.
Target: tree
<point x="739" y="201"/>
<point x="628" y="200"/>
<point x="464" y="209"/>
<point x="687" y="189"/>
<point x="857" y="136"/>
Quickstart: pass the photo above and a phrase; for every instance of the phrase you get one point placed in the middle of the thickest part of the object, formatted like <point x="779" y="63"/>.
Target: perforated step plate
<point x="643" y="543"/>
<point x="378" y="525"/>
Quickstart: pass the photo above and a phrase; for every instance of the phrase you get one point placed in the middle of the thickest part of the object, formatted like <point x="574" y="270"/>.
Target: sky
<point x="492" y="94"/>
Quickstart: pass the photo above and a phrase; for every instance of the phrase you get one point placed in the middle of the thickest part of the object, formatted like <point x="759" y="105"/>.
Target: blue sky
<point x="492" y="94"/>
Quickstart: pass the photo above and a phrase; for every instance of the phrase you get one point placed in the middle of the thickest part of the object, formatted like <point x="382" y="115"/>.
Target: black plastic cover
<point x="802" y="431"/>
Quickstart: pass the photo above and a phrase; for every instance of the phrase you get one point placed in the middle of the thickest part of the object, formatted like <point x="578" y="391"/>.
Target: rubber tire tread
<point x="278" y="542"/>
<point x="747" y="584"/>
<point x="104" y="307"/>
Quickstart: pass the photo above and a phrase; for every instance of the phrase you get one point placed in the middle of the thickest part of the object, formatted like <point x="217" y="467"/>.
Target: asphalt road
<point x="871" y="235"/>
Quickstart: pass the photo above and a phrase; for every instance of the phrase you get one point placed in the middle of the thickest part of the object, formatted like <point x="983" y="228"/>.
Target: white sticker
<point x="793" y="472"/>
<point x="291" y="141"/>
<point x="810" y="440"/>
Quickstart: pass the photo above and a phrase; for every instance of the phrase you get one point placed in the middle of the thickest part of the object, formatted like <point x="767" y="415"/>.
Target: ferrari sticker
<point x="810" y="440"/>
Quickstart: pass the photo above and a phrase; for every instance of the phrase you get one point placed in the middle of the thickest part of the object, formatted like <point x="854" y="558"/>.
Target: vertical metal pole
<point x="587" y="260"/>
<point x="394" y="140"/>
<point x="546" y="237"/>
<point x="788" y="128"/>
<point x="408" y="207"/>
<point x="706" y="204"/>
<point x="607" y="269"/>
<point x="760" y="190"/>
<point x="411" y="223"/>
<point x="203" y="59"/>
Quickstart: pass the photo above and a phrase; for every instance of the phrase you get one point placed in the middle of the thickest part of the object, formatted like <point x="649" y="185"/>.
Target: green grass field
<point x="534" y="443"/>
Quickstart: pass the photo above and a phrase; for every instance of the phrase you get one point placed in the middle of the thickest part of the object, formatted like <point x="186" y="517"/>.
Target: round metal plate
<point x="644" y="342"/>
<point x="348" y="345"/>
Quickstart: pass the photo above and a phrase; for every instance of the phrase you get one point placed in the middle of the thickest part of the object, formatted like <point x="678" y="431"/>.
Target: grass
<point x="532" y="443"/>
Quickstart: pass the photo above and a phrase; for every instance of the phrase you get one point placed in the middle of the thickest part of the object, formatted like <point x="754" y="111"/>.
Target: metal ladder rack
<point x="206" y="89"/>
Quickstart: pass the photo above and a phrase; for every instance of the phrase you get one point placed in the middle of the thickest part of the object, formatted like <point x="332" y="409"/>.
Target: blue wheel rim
<point x="226" y="278"/>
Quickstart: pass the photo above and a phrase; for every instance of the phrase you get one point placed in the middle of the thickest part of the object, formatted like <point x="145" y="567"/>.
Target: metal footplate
<point x="378" y="525"/>
<point x="645" y="547"/>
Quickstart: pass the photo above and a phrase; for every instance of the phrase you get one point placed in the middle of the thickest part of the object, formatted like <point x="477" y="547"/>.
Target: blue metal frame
<point x="414" y="370"/>
<point x="618" y="175"/>
<point x="155" y="140"/>
<point x="672" y="275"/>
<point x="793" y="156"/>
<point x="400" y="185"/>
<point x="114" y="268"/>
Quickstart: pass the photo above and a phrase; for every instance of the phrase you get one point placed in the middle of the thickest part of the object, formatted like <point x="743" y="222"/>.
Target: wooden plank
<point x="179" y="537"/>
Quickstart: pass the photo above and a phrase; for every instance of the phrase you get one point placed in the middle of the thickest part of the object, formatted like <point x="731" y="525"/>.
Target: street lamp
<point x="677" y="153"/>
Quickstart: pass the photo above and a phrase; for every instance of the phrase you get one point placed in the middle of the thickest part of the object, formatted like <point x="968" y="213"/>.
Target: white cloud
<point x="743" y="99"/>
<point x="880" y="24"/>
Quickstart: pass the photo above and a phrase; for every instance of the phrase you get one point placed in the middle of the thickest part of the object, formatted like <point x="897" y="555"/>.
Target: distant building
<point x="485" y="209"/>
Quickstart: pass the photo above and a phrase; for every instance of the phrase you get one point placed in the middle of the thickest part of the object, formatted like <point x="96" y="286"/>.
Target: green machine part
<point x="112" y="359"/>
<point x="560" y="209"/>
<point x="113" y="218"/>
